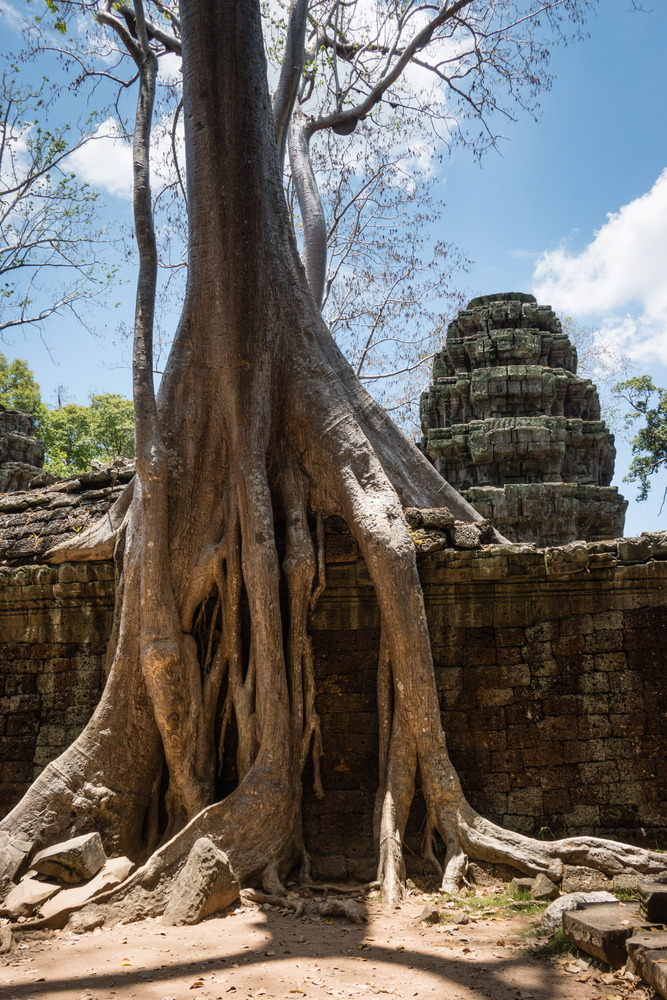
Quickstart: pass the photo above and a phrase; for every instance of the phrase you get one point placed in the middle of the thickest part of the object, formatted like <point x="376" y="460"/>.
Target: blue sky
<point x="572" y="207"/>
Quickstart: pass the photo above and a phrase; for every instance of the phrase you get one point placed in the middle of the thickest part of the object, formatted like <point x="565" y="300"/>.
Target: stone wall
<point x="551" y="670"/>
<point x="54" y="625"/>
<point x="550" y="665"/>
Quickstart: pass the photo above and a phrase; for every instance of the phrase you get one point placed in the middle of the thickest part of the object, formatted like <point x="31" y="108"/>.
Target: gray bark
<point x="314" y="252"/>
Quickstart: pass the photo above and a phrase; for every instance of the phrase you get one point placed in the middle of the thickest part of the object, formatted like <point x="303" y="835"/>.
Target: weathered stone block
<point x="578" y="878"/>
<point x="634" y="549"/>
<point x="552" y="918"/>
<point x="653" y="900"/>
<point x="58" y="909"/>
<point x="602" y="930"/>
<point x="647" y="952"/>
<point x="544" y="888"/>
<point x="73" y="860"/>
<point x="27" y="897"/>
<point x="205" y="885"/>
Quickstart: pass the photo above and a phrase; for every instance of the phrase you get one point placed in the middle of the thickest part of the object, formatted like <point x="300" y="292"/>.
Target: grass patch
<point x="556" y="945"/>
<point x="625" y="895"/>
<point x="497" y="905"/>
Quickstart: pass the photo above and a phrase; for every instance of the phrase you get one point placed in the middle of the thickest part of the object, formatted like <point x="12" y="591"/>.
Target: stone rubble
<point x="544" y="888"/>
<point x="56" y="911"/>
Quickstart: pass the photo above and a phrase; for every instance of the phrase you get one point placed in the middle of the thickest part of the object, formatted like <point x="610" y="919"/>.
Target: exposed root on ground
<point x="301" y="907"/>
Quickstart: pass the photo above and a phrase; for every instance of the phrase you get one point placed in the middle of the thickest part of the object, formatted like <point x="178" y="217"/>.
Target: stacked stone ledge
<point x="509" y="423"/>
<point x="21" y="453"/>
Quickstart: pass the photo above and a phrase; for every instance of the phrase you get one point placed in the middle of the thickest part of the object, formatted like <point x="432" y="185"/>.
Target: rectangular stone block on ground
<point x="653" y="900"/>
<point x="602" y="930"/>
<point x="648" y="953"/>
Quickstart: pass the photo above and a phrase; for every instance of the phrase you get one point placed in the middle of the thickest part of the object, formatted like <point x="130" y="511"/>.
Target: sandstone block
<point x="634" y="549"/>
<point x="523" y="884"/>
<point x="648" y="953"/>
<point x="627" y="881"/>
<point x="27" y="897"/>
<point x="429" y="915"/>
<point x="544" y="888"/>
<point x="602" y="930"/>
<point x="578" y="878"/>
<point x="552" y="918"/>
<point x="205" y="885"/>
<point x="57" y="910"/>
<point x="73" y="860"/>
<point x="653" y="900"/>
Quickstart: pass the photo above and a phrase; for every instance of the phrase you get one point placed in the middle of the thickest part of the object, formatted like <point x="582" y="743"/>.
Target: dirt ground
<point x="481" y="950"/>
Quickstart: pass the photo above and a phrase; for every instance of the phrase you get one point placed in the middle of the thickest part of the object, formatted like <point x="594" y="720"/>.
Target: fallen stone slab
<point x="27" y="897"/>
<point x="544" y="888"/>
<point x="648" y="953"/>
<point x="552" y="918"/>
<point x="205" y="885"/>
<point x="653" y="901"/>
<point x="579" y="878"/>
<point x="602" y="930"/>
<point x="73" y="860"/>
<point x="56" y="911"/>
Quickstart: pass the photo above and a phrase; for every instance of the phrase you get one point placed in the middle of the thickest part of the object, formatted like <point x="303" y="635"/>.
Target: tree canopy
<point x="649" y="443"/>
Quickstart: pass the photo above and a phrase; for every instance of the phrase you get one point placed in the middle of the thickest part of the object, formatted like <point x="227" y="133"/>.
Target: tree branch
<point x="290" y="73"/>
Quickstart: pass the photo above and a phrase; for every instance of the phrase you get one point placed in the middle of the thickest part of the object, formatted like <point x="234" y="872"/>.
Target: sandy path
<point x="253" y="952"/>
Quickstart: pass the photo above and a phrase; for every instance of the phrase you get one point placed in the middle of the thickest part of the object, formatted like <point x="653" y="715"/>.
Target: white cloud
<point x="106" y="161"/>
<point x="169" y="68"/>
<point x="619" y="278"/>
<point x="11" y="18"/>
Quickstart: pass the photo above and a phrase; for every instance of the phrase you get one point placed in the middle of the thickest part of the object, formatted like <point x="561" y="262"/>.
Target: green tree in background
<point x="74" y="435"/>
<point x="649" y="445"/>
<point x="19" y="389"/>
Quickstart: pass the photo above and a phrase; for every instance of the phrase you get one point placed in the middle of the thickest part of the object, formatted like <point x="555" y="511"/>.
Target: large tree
<point x="259" y="419"/>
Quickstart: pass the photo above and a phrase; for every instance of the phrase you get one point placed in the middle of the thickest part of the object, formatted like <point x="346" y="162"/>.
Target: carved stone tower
<point x="509" y="423"/>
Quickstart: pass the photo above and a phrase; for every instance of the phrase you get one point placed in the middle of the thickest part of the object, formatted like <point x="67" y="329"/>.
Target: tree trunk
<point x="259" y="420"/>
